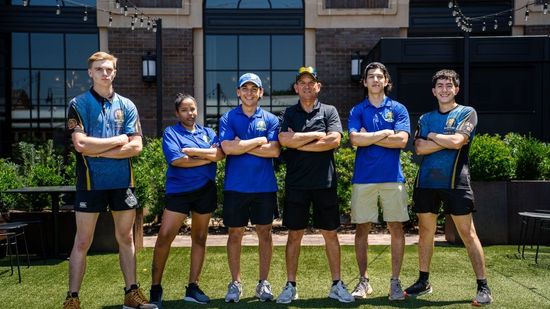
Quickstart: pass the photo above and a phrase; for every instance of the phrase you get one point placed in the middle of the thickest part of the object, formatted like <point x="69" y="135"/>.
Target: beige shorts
<point x="391" y="195"/>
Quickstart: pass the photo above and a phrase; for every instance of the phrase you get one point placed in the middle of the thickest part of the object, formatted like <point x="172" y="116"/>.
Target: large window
<point x="47" y="70"/>
<point x="247" y="43"/>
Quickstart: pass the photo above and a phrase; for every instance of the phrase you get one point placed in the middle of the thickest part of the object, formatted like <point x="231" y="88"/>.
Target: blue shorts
<point x="102" y="200"/>
<point x="202" y="200"/>
<point x="259" y="208"/>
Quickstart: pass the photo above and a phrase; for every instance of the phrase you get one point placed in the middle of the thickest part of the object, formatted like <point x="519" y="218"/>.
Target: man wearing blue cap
<point x="248" y="136"/>
<point x="311" y="131"/>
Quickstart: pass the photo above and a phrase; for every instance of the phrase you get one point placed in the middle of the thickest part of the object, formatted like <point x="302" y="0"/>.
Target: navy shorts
<point x="456" y="202"/>
<point x="239" y="207"/>
<point x="296" y="212"/>
<point x="202" y="200"/>
<point x="102" y="200"/>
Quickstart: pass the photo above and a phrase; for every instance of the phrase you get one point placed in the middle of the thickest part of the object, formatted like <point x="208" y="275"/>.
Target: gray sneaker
<point x="263" y="291"/>
<point x="234" y="292"/>
<point x="340" y="292"/>
<point x="483" y="296"/>
<point x="288" y="294"/>
<point x="396" y="291"/>
<point x="362" y="289"/>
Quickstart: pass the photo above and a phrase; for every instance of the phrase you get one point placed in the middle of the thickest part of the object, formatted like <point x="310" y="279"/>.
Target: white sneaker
<point x="340" y="292"/>
<point x="263" y="291"/>
<point x="234" y="292"/>
<point x="288" y="294"/>
<point x="396" y="291"/>
<point x="362" y="289"/>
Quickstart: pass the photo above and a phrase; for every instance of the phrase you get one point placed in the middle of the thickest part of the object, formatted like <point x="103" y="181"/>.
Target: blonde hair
<point x="101" y="56"/>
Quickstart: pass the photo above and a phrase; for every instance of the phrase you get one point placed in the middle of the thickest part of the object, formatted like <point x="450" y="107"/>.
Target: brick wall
<point x="129" y="47"/>
<point x="333" y="60"/>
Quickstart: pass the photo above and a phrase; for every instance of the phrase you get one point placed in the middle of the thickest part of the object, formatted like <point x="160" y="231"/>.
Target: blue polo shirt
<point x="376" y="164"/>
<point x="447" y="168"/>
<point x="186" y="179"/>
<point x="247" y="173"/>
<point x="103" y="117"/>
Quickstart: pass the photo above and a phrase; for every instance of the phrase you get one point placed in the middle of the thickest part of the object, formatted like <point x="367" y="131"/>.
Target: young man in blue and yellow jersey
<point x="106" y="134"/>
<point x="443" y="138"/>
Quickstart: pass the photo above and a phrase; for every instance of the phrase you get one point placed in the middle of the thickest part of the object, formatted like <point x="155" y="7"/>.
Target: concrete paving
<point x="250" y="239"/>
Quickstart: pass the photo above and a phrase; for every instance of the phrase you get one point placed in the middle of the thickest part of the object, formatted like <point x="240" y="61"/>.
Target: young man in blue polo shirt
<point x="248" y="136"/>
<point x="443" y="138"/>
<point x="310" y="131"/>
<point x="379" y="127"/>
<point x="106" y="133"/>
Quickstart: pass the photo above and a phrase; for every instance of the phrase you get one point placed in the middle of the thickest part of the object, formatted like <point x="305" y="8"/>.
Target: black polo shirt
<point x="305" y="169"/>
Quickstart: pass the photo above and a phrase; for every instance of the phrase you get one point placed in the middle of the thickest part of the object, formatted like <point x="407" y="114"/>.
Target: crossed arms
<point x="199" y="156"/>
<point x="385" y="138"/>
<point x="116" y="147"/>
<point x="310" y="141"/>
<point x="436" y="142"/>
<point x="258" y="146"/>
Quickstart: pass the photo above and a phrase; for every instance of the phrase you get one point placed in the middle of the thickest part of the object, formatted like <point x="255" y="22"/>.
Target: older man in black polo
<point x="310" y="131"/>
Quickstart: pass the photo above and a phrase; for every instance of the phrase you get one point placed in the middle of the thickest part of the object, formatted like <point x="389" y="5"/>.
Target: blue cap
<point x="249" y="78"/>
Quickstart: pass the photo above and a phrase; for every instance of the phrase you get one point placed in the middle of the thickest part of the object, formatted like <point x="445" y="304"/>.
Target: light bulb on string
<point x="135" y="16"/>
<point x="125" y="10"/>
<point x="484" y="27"/>
<point x="132" y="25"/>
<point x="451" y="4"/>
<point x="495" y="26"/>
<point x="85" y="18"/>
<point x="148" y="24"/>
<point x="457" y="19"/>
<point x="455" y="12"/>
<point x="154" y="26"/>
<point x="526" y="14"/>
<point x="117" y="4"/>
<point x="510" y="21"/>
<point x="58" y="9"/>
<point x="141" y="21"/>
<point x="545" y="8"/>
<point x="25" y="2"/>
<point x="110" y="19"/>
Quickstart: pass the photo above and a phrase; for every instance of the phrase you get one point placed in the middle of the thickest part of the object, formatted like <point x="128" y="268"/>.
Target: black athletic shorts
<point x="202" y="200"/>
<point x="99" y="200"/>
<point x="296" y="212"/>
<point x="259" y="208"/>
<point x="455" y="201"/>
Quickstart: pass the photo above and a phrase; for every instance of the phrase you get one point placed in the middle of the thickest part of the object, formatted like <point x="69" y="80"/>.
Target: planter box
<point x="497" y="204"/>
<point x="104" y="236"/>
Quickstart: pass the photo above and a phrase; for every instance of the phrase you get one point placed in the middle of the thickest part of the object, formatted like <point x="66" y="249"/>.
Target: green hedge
<point x="492" y="157"/>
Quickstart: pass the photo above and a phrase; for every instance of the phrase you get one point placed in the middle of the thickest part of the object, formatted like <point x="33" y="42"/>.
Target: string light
<point x="118" y="4"/>
<point x="466" y="23"/>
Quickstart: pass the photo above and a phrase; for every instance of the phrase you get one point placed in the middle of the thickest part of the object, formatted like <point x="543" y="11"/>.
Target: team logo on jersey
<point x="450" y="122"/>
<point x="119" y="116"/>
<point x="260" y="125"/>
<point x="468" y="126"/>
<point x="72" y="123"/>
<point x="388" y="116"/>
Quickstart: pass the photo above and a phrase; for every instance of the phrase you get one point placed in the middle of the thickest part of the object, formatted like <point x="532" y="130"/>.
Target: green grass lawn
<point x="515" y="283"/>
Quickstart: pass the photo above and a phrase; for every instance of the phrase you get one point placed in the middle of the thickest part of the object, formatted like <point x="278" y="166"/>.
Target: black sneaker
<point x="419" y="288"/>
<point x="194" y="294"/>
<point x="155" y="297"/>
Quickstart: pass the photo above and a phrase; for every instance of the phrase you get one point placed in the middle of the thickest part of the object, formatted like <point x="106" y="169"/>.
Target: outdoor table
<point x="538" y="218"/>
<point x="54" y="192"/>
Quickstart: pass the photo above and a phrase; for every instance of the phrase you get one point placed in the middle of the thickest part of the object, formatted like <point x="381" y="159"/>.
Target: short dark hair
<point x="378" y="65"/>
<point x="447" y="75"/>
<point x="180" y="97"/>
